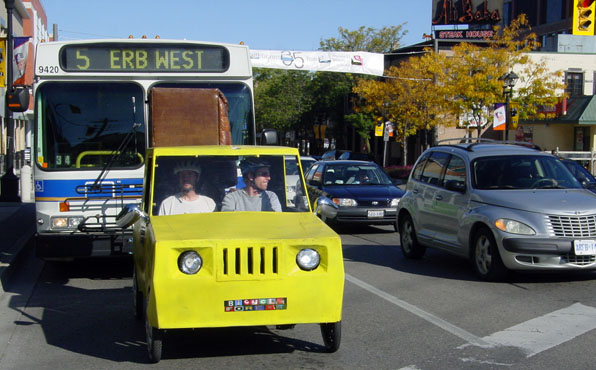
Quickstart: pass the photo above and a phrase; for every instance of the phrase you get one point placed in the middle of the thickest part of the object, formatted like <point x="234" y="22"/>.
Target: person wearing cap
<point x="187" y="200"/>
<point x="255" y="196"/>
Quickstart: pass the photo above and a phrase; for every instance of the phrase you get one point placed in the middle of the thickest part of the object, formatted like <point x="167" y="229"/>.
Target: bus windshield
<point x="88" y="124"/>
<point x="240" y="111"/>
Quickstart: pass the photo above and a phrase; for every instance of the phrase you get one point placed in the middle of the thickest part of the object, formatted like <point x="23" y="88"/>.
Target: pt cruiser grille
<point x="572" y="226"/>
<point x="249" y="263"/>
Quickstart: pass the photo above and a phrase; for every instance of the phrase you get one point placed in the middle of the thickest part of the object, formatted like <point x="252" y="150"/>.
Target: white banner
<point x="321" y="61"/>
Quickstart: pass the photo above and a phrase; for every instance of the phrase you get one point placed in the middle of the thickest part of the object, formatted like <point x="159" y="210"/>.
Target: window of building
<point x="575" y="83"/>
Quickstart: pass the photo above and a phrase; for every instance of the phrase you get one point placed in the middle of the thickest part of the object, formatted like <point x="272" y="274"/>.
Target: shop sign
<point x="466" y="12"/>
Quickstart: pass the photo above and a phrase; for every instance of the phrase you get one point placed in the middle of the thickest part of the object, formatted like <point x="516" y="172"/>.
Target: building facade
<point x="30" y="27"/>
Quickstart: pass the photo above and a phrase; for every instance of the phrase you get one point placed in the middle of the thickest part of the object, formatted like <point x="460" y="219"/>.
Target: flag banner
<point x="320" y="61"/>
<point x="3" y="63"/>
<point x="499" y="117"/>
<point x="19" y="63"/>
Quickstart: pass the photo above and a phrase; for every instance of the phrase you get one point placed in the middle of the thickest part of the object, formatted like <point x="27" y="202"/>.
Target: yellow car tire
<point x="331" y="336"/>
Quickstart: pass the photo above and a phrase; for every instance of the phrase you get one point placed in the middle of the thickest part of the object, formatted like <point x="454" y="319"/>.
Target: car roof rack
<point x="473" y="141"/>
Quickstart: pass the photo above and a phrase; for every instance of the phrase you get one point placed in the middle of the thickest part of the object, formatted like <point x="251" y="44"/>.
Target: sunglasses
<point x="263" y="173"/>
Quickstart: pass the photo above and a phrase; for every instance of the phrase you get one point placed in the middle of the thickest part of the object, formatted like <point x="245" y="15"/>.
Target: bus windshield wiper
<point x="118" y="152"/>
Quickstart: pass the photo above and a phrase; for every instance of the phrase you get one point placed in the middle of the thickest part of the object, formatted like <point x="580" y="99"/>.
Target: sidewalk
<point x="17" y="226"/>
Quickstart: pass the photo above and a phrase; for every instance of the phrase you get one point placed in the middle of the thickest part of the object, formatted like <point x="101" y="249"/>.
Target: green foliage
<point x="365" y="39"/>
<point x="364" y="124"/>
<point x="281" y="98"/>
<point x="289" y="99"/>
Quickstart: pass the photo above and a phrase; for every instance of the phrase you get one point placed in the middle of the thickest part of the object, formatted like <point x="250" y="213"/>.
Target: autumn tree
<point x="470" y="78"/>
<point x="407" y="97"/>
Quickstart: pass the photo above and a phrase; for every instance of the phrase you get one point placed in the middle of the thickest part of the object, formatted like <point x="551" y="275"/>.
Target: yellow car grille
<point x="249" y="263"/>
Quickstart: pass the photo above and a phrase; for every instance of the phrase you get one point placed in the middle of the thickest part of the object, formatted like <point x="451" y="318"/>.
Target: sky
<point x="260" y="24"/>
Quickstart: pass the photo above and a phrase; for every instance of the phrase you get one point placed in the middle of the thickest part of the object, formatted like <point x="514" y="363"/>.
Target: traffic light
<point x="583" y="17"/>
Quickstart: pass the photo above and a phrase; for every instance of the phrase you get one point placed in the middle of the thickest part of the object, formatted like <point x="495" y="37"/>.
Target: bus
<point x="93" y="124"/>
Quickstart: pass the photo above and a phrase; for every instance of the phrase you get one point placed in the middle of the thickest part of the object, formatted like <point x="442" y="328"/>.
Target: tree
<point x="407" y="97"/>
<point x="365" y="39"/>
<point x="332" y="89"/>
<point x="281" y="98"/>
<point x="470" y="77"/>
<point x="364" y="124"/>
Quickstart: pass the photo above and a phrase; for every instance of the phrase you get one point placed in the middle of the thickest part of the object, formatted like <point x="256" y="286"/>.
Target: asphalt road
<point x="398" y="314"/>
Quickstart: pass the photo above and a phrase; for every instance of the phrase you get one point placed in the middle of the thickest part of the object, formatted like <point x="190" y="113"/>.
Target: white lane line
<point x="547" y="331"/>
<point x="468" y="337"/>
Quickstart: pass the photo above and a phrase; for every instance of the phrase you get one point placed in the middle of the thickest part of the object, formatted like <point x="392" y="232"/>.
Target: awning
<point x="581" y="110"/>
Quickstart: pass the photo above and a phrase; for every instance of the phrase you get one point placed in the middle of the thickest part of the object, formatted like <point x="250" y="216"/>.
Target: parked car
<point x="293" y="175"/>
<point x="306" y="162"/>
<point x="581" y="174"/>
<point x="504" y="207"/>
<point x="354" y="156"/>
<point x="332" y="154"/>
<point x="363" y="192"/>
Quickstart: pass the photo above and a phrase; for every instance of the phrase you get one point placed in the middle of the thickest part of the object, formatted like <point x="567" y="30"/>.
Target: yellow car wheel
<point x="153" y="337"/>
<point x="331" y="335"/>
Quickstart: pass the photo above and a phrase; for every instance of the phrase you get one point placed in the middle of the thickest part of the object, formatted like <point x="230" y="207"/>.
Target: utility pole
<point x="9" y="183"/>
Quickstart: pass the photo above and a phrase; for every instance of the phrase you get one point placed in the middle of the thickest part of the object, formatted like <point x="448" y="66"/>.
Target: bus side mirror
<point x="17" y="98"/>
<point x="269" y="137"/>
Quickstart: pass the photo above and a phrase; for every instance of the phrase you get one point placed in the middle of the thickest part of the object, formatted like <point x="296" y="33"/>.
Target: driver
<point x="255" y="196"/>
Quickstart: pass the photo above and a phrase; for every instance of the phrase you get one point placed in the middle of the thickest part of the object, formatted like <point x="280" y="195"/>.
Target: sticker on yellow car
<point x="260" y="304"/>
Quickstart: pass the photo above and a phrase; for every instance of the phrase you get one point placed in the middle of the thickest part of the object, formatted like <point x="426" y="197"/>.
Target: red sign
<point x="466" y="12"/>
<point x="556" y="110"/>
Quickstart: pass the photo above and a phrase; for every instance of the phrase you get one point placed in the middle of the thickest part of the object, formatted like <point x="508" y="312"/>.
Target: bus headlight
<point x="66" y="223"/>
<point x="308" y="259"/>
<point x="190" y="262"/>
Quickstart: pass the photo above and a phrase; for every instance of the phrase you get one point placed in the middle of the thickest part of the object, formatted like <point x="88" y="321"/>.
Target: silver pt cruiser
<point x="503" y="206"/>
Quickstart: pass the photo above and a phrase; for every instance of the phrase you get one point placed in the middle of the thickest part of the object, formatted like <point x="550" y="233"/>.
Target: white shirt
<point x="175" y="205"/>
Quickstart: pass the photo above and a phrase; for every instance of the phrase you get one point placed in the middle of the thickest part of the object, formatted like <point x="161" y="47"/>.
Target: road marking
<point x="531" y="337"/>
<point x="547" y="331"/>
<point x="468" y="337"/>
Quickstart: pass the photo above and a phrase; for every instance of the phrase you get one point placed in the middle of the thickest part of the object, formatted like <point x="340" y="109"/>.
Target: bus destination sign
<point x="126" y="57"/>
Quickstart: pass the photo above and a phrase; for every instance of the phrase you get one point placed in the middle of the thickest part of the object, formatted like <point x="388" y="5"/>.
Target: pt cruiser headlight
<point x="514" y="227"/>
<point x="345" y="202"/>
<point x="190" y="262"/>
<point x="308" y="259"/>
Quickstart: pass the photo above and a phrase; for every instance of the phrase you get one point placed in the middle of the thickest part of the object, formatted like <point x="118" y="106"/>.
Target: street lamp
<point x="509" y="80"/>
<point x="9" y="183"/>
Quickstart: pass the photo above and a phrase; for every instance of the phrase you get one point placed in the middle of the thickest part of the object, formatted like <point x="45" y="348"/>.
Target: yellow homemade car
<point x="217" y="243"/>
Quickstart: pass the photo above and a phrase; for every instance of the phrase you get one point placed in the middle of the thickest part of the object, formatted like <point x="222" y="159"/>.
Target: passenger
<point x="255" y="196"/>
<point x="187" y="200"/>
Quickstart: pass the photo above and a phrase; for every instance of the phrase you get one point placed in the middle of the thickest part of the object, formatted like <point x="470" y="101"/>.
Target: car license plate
<point x="376" y="214"/>
<point x="584" y="247"/>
